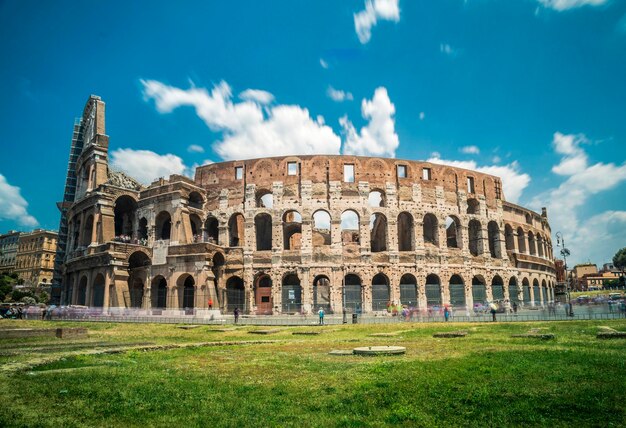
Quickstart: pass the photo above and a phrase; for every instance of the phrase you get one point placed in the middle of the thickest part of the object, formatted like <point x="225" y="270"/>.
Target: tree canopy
<point x="619" y="260"/>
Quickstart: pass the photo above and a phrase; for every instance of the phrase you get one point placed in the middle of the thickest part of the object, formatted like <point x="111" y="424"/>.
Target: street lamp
<point x="560" y="242"/>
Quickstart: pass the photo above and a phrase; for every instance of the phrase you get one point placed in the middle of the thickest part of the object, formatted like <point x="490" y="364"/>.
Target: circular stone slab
<point x="341" y="352"/>
<point x="379" y="350"/>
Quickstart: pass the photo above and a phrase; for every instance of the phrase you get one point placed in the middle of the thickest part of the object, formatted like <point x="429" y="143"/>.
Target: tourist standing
<point x="236" y="314"/>
<point x="446" y="313"/>
<point x="515" y="308"/>
<point x="210" y="304"/>
<point x="493" y="310"/>
<point x="321" y="314"/>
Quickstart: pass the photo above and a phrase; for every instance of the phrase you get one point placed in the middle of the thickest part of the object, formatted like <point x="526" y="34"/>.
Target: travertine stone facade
<point x="290" y="234"/>
<point x="8" y="250"/>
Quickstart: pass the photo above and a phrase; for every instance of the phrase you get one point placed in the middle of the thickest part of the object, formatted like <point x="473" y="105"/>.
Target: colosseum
<point x="290" y="234"/>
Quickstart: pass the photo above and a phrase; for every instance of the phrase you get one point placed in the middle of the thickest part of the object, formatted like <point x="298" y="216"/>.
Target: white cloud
<point x="496" y="159"/>
<point x="378" y="137"/>
<point x="562" y="5"/>
<point x="338" y="95"/>
<point x="194" y="148"/>
<point x="448" y="50"/>
<point x="152" y="164"/>
<point x="597" y="239"/>
<point x="582" y="183"/>
<point x="422" y="115"/>
<point x="472" y="150"/>
<point x="513" y="180"/>
<point x="323" y="63"/>
<point x="257" y="95"/>
<point x="364" y="20"/>
<point x="249" y="130"/>
<point x="13" y="206"/>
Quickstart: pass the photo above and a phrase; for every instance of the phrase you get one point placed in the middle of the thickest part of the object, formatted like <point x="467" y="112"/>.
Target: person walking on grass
<point x="321" y="314"/>
<point x="493" y="309"/>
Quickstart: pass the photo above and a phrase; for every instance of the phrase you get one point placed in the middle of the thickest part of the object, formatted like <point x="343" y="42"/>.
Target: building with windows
<point x="8" y="251"/>
<point x="292" y="234"/>
<point x="34" y="262"/>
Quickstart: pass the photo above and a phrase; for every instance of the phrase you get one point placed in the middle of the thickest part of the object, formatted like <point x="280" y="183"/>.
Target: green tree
<point x="619" y="260"/>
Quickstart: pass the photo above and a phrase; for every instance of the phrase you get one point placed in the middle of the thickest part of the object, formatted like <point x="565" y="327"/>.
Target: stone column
<point x="107" y="283"/>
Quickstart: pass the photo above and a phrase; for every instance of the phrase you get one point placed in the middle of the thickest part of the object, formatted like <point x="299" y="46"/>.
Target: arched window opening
<point x="453" y="232"/>
<point x="263" y="229"/>
<point x="163" y="225"/>
<point x="526" y="291"/>
<point x="473" y="206"/>
<point x="321" y="293"/>
<point x="196" y="200"/>
<point x="378" y="233"/>
<point x="159" y="292"/>
<point x="380" y="292"/>
<point x="406" y="232"/>
<point x="513" y="293"/>
<point x="497" y="288"/>
<point x="143" y="231"/>
<point x="235" y="231"/>
<point x="433" y="291"/>
<point x="235" y="294"/>
<point x="350" y="228"/>
<point x="536" y="291"/>
<point x="529" y="218"/>
<point x="321" y="229"/>
<point x="98" y="291"/>
<point x="82" y="292"/>
<point x="292" y="230"/>
<point x="521" y="240"/>
<point x="479" y="292"/>
<point x="493" y="233"/>
<point x="124" y="214"/>
<point x="376" y="199"/>
<point x="408" y="291"/>
<point x="196" y="228"/>
<point x="265" y="199"/>
<point x="475" y="232"/>
<point x="352" y="294"/>
<point x="539" y="245"/>
<point x="186" y="286"/>
<point x="531" y="244"/>
<point x="430" y="226"/>
<point x="457" y="292"/>
<point x="509" y="237"/>
<point x="263" y="295"/>
<point x="291" y="294"/>
<point x="87" y="231"/>
<point x="212" y="231"/>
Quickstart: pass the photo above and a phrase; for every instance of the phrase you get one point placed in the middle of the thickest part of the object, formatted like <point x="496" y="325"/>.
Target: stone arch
<point x="473" y="206"/>
<point x="406" y="232"/>
<point x="291" y="294"/>
<point x="513" y="292"/>
<point x="380" y="292"/>
<point x="186" y="292"/>
<point x="378" y="232"/>
<point x="235" y="294"/>
<point x="263" y="231"/>
<point x="350" y="227"/>
<point x="408" y="290"/>
<point x="143" y="230"/>
<point x="457" y="291"/>
<point x="453" y="232"/>
<point x="493" y="237"/>
<point x="539" y="245"/>
<point x="236" y="237"/>
<point x="321" y="292"/>
<point x="509" y="237"/>
<point x="536" y="292"/>
<point x="376" y="198"/>
<point x="163" y="225"/>
<point x="521" y="240"/>
<point x="479" y="291"/>
<point x="158" y="292"/>
<point x="532" y="250"/>
<point x="196" y="200"/>
<point x="264" y="198"/>
<point x="212" y="230"/>
<point x="526" y="291"/>
<point x="124" y="213"/>
<point x="353" y="293"/>
<point x="433" y="290"/>
<point x="475" y="233"/>
<point x="497" y="288"/>
<point x="263" y="294"/>
<point x="87" y="231"/>
<point x="292" y="230"/>
<point x="196" y="227"/>
<point x="81" y="298"/>
<point x="321" y="228"/>
<point x="98" y="291"/>
<point x="431" y="229"/>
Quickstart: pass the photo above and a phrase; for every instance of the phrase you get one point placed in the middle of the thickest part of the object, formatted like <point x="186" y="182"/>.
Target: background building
<point x="8" y="251"/>
<point x="35" y="257"/>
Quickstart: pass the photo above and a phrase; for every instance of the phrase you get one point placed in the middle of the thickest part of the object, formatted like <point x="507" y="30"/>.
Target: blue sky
<point x="531" y="90"/>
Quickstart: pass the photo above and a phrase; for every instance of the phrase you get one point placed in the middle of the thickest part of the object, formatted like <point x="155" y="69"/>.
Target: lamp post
<point x="560" y="242"/>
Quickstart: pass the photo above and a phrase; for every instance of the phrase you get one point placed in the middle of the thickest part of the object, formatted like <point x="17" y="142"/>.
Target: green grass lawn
<point x="484" y="379"/>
